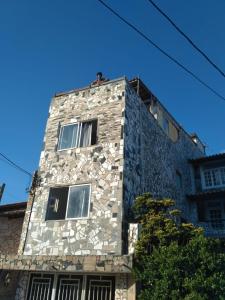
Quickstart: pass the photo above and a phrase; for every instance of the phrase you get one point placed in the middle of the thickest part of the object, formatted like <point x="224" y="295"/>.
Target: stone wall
<point x="100" y="165"/>
<point x="152" y="158"/>
<point x="10" y="231"/>
<point x="78" y="263"/>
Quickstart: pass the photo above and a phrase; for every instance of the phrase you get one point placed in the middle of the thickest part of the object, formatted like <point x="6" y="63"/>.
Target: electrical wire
<point x="161" y="50"/>
<point x="13" y="164"/>
<point x="187" y="38"/>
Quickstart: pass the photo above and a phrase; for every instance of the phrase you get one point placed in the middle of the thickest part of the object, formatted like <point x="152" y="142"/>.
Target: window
<point x="173" y="132"/>
<point x="215" y="214"/>
<point x="214" y="177"/>
<point x="78" y="135"/>
<point x="68" y="202"/>
<point x="212" y="212"/>
<point x="165" y="125"/>
<point x="40" y="286"/>
<point x="179" y="180"/>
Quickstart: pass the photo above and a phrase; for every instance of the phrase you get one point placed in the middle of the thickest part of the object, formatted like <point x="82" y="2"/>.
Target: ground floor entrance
<point x="44" y="286"/>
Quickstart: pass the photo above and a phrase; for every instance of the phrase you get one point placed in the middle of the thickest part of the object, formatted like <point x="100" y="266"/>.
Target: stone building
<point x="11" y="222"/>
<point x="104" y="145"/>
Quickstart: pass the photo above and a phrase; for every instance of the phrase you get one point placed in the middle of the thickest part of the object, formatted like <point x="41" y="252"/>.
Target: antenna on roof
<point x="2" y="187"/>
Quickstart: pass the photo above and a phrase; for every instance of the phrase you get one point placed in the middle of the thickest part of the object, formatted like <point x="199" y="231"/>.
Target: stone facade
<point x="101" y="165"/>
<point x="152" y="159"/>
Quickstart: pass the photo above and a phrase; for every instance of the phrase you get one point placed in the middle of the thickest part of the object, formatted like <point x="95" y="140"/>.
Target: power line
<point x="187" y="38"/>
<point x="161" y="50"/>
<point x="13" y="164"/>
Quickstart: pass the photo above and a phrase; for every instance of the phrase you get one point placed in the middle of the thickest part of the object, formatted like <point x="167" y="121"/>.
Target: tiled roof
<point x="207" y="194"/>
<point x="208" y="158"/>
<point x="18" y="208"/>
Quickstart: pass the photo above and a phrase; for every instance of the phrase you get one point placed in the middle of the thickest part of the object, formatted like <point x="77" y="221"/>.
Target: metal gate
<point x="69" y="287"/>
<point x="100" y="288"/>
<point x="40" y="287"/>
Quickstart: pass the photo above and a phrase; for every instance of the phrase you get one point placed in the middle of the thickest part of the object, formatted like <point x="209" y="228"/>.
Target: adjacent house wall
<point x="10" y="231"/>
<point x="100" y="165"/>
<point x="152" y="158"/>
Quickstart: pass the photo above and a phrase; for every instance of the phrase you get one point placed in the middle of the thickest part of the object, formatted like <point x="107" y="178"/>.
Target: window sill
<point x="70" y="219"/>
<point x="77" y="148"/>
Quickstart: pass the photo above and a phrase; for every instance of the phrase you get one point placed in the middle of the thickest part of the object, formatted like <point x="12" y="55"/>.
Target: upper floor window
<point x="215" y="214"/>
<point x="81" y="134"/>
<point x="68" y="202"/>
<point x="214" y="177"/>
<point x="212" y="212"/>
<point x="165" y="125"/>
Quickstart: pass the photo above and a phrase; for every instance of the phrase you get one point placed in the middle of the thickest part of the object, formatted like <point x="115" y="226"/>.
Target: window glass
<point x="165" y="125"/>
<point x="85" y="137"/>
<point x="208" y="180"/>
<point x="65" y="202"/>
<point x="173" y="132"/>
<point x="223" y="175"/>
<point x="216" y="218"/>
<point x="214" y="177"/>
<point x="78" y="202"/>
<point x="78" y="135"/>
<point x="68" y="138"/>
<point x="179" y="180"/>
<point x="57" y="202"/>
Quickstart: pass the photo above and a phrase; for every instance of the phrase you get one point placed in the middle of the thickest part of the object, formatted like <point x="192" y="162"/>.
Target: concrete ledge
<point x="78" y="264"/>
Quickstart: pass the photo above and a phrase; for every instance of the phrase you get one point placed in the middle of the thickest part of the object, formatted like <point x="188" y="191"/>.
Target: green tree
<point x="174" y="260"/>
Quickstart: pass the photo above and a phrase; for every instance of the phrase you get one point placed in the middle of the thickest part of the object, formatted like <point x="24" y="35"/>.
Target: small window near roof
<point x="179" y="180"/>
<point x="214" y="177"/>
<point x="173" y="132"/>
<point x="81" y="134"/>
<point x="68" y="202"/>
<point x="165" y="125"/>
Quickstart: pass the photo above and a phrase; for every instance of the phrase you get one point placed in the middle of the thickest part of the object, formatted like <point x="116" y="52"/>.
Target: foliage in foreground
<point x="174" y="260"/>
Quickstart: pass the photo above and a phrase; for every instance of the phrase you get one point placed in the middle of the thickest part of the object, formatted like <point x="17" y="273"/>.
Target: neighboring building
<point x="209" y="193"/>
<point x="104" y="145"/>
<point x="11" y="222"/>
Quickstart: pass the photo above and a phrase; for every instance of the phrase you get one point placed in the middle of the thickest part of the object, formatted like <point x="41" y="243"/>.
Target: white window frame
<point x="202" y="172"/>
<point x="61" y="133"/>
<point x="89" y="201"/>
<point x="78" y="136"/>
<point x="219" y="207"/>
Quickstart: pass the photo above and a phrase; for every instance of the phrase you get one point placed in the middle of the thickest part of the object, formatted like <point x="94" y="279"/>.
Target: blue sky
<point x="52" y="46"/>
